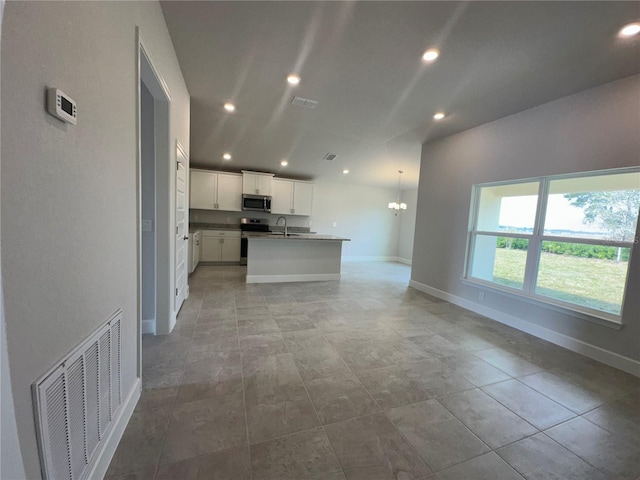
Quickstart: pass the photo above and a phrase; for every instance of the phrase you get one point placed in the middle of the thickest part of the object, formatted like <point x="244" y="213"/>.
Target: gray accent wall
<point x="148" y="167"/>
<point x="407" y="227"/>
<point x="593" y="130"/>
<point x="69" y="205"/>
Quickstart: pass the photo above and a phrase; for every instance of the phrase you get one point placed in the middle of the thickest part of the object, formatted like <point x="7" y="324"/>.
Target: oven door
<point x="244" y="245"/>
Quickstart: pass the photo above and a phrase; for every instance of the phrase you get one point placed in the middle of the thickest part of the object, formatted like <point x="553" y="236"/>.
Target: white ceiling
<point x="362" y="62"/>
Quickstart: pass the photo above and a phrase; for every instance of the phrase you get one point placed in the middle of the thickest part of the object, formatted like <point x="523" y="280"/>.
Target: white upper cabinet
<point x="282" y="198"/>
<point x="216" y="191"/>
<point x="291" y="197"/>
<point x="204" y="190"/>
<point x="302" y="198"/>
<point x="229" y="192"/>
<point x="256" y="183"/>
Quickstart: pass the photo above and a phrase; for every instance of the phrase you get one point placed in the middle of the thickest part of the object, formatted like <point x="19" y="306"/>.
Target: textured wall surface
<point x="69" y="192"/>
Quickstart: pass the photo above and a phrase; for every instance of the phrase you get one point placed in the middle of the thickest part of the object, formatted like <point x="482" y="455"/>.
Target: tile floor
<point x="367" y="379"/>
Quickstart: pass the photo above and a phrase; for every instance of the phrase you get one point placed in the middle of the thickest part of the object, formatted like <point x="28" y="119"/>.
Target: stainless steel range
<point x="250" y="225"/>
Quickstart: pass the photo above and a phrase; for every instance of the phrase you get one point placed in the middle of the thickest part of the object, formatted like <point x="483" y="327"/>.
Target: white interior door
<point x="182" y="230"/>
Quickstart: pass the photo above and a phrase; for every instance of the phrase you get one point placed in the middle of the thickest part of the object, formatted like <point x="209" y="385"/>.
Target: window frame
<point x="534" y="249"/>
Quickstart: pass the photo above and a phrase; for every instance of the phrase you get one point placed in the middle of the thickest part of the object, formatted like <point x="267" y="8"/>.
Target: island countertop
<point x="293" y="236"/>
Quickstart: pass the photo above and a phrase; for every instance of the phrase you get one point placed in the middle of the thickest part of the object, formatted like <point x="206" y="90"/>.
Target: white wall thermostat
<point x="60" y="105"/>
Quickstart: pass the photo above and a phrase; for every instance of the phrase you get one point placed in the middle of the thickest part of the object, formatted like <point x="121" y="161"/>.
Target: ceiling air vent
<point x="330" y="157"/>
<point x="303" y="102"/>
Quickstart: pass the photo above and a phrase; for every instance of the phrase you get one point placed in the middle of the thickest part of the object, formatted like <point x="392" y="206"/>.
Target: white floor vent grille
<point x="76" y="402"/>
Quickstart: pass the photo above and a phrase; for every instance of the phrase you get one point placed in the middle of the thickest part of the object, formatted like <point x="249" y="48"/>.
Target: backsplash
<point x="233" y="226"/>
<point x="208" y="217"/>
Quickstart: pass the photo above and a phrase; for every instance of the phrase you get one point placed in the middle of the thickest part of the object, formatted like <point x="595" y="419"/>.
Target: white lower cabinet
<point x="196" y="239"/>
<point x="220" y="246"/>
<point x="230" y="251"/>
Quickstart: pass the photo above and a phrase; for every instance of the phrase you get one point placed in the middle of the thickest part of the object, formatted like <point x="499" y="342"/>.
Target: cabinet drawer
<point x="221" y="233"/>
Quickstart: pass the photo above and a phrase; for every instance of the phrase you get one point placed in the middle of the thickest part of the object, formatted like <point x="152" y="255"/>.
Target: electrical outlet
<point x="481" y="296"/>
<point x="147" y="225"/>
<point x="335" y="224"/>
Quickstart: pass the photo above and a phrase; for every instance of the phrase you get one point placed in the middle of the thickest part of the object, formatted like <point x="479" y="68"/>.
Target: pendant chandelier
<point x="397" y="205"/>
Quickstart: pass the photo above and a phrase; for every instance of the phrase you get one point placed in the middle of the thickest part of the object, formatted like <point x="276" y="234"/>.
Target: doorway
<point x="148" y="293"/>
<point x="155" y="238"/>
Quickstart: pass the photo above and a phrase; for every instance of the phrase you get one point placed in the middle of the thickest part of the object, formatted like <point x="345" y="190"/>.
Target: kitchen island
<point x="298" y="257"/>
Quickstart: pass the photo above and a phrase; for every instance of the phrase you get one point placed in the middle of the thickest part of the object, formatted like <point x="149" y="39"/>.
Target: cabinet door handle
<point x="186" y="237"/>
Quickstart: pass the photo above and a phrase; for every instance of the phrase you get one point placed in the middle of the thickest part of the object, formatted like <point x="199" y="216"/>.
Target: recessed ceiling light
<point x="229" y="107"/>
<point x="430" y="55"/>
<point x="630" y="30"/>
<point x="284" y="163"/>
<point x="293" y="79"/>
<point x="227" y="156"/>
<point x="438" y="116"/>
<point x="345" y="171"/>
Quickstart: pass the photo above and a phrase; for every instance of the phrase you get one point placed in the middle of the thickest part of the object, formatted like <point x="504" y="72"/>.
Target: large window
<point x="565" y="240"/>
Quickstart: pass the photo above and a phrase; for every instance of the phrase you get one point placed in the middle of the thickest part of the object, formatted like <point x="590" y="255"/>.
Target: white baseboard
<point x="406" y="261"/>
<point x="367" y="259"/>
<point x="312" y="277"/>
<point x="607" y="357"/>
<point x="172" y="321"/>
<point x="115" y="432"/>
<point x="149" y="326"/>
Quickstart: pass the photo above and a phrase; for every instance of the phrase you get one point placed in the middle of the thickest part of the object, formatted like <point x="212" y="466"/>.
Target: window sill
<point x="548" y="304"/>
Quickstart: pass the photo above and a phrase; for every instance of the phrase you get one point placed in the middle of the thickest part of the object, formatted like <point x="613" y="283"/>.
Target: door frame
<point x="147" y="72"/>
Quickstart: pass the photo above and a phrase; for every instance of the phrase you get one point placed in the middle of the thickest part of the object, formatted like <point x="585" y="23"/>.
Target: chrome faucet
<point x="285" y="224"/>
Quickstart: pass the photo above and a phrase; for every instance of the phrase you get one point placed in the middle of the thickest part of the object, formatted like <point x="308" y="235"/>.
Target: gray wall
<point x="360" y="213"/>
<point x="593" y="130"/>
<point x="69" y="192"/>
<point x="407" y="225"/>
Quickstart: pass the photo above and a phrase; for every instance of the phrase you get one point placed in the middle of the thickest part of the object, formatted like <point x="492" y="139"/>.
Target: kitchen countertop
<point x="214" y="226"/>
<point x="294" y="236"/>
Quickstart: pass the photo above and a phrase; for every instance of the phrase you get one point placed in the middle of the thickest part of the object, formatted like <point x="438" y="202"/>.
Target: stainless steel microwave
<point x="256" y="203"/>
